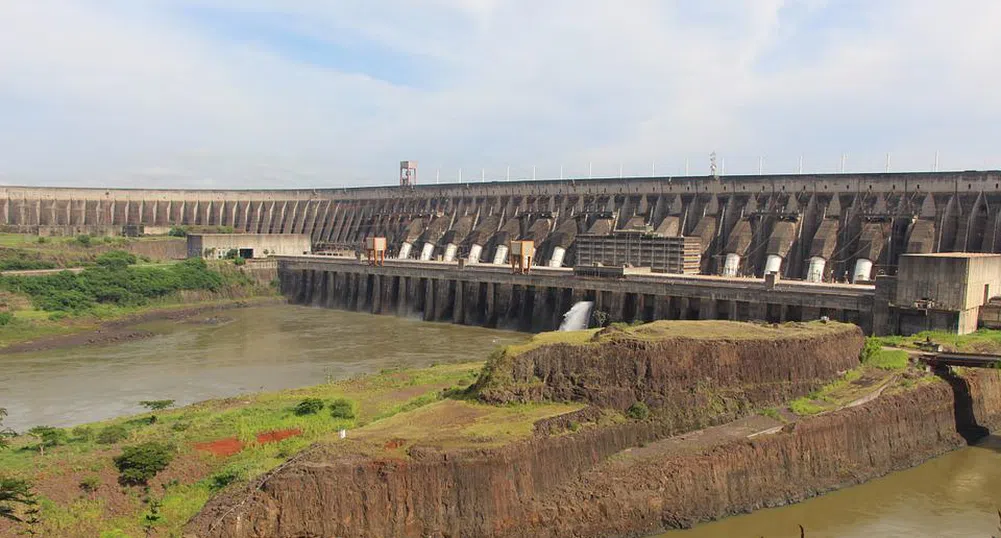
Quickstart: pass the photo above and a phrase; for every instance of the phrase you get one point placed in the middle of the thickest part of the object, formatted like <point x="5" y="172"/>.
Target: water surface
<point x="250" y="349"/>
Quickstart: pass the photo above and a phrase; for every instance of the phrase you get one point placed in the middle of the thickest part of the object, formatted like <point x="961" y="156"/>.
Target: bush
<point x="116" y="259"/>
<point x="309" y="406"/>
<point x="342" y="408"/>
<point x="137" y="464"/>
<point x="871" y="347"/>
<point x="223" y="478"/>
<point x="82" y="433"/>
<point x="42" y="240"/>
<point x="48" y="437"/>
<point x="6" y="318"/>
<point x="90" y="484"/>
<point x="240" y="261"/>
<point x="112" y="434"/>
<point x="83" y="240"/>
<point x="178" y="231"/>
<point x="889" y="359"/>
<point x="638" y="411"/>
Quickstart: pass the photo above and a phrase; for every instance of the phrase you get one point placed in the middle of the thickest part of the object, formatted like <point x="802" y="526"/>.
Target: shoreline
<point x="120" y="329"/>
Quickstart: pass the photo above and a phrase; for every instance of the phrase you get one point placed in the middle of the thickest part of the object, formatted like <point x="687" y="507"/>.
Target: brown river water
<point x="278" y="347"/>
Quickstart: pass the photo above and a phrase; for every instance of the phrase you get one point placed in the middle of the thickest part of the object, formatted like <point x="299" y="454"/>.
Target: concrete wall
<point x="263" y="245"/>
<point x="877" y="216"/>
<point x="952" y="281"/>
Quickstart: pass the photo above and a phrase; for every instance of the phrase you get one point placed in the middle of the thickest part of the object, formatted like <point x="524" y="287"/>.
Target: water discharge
<point x="577" y="317"/>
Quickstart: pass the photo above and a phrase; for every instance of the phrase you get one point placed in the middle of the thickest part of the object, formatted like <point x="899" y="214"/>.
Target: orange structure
<point x="376" y="250"/>
<point x="522" y="253"/>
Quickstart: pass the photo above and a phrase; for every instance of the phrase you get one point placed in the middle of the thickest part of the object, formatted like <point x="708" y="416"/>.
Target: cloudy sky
<point x="297" y="93"/>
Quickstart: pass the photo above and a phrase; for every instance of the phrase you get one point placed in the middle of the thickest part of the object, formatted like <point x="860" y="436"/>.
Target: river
<point x="272" y="348"/>
<point x="237" y="351"/>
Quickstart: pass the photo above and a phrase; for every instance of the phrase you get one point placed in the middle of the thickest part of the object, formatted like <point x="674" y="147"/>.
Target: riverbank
<point x="46" y="311"/>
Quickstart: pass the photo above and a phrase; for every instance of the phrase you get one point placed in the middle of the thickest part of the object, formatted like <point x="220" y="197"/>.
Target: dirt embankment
<point x="570" y="486"/>
<point x="677" y="373"/>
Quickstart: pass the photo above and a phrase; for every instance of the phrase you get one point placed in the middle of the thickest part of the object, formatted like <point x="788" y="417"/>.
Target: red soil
<point x="277" y="435"/>
<point x="221" y="447"/>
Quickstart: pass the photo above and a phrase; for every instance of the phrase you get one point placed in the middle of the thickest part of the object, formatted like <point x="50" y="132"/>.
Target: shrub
<point x="180" y="426"/>
<point x="112" y="434"/>
<point x="240" y="261"/>
<point x="223" y="478"/>
<point x="82" y="433"/>
<point x="57" y="316"/>
<point x="137" y="464"/>
<point x="83" y="240"/>
<point x="342" y="408"/>
<point x="42" y="240"/>
<point x="6" y="318"/>
<point x="889" y="359"/>
<point x="178" y="231"/>
<point x="48" y="437"/>
<point x="638" y="411"/>
<point x="90" y="483"/>
<point x="309" y="406"/>
<point x="872" y="346"/>
<point x="116" y="259"/>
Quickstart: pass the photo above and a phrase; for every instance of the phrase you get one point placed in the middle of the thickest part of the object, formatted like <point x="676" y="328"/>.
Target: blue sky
<point x="313" y="93"/>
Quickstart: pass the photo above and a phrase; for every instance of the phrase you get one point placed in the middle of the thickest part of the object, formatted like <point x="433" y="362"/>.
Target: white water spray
<point x="577" y="317"/>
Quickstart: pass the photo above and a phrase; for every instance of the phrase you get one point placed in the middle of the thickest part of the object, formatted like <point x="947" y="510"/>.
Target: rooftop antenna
<point x="408" y="173"/>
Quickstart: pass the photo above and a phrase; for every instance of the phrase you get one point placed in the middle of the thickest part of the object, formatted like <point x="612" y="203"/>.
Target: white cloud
<point x="126" y="93"/>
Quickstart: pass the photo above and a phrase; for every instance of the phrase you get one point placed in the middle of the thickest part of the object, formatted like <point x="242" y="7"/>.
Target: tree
<point x="14" y="492"/>
<point x="138" y="464"/>
<point x="5" y="432"/>
<point x="309" y="406"/>
<point x="48" y="437"/>
<point x="156" y="405"/>
<point x="116" y="259"/>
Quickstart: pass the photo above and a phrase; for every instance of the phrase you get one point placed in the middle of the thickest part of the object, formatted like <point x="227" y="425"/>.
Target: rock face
<point x="753" y="366"/>
<point x="554" y="485"/>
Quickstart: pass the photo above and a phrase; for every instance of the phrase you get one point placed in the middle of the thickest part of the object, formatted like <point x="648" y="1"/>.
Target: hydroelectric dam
<point x="825" y="242"/>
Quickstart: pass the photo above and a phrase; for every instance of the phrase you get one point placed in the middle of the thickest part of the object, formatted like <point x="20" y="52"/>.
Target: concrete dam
<point x="815" y="233"/>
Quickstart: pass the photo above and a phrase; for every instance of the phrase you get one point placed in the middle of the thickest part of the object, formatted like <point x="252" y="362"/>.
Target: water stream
<point x="577" y="317"/>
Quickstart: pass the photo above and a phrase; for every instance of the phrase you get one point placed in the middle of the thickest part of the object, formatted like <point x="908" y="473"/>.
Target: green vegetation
<point x="888" y="359"/>
<point x="115" y="285"/>
<point x="980" y="341"/>
<point x="156" y="405"/>
<point x="116" y="259"/>
<point x="112" y="434"/>
<point x="20" y="260"/>
<point x="83" y="240"/>
<point x="309" y="406"/>
<point x="183" y="231"/>
<point x="6" y="318"/>
<point x="14" y="492"/>
<point x="90" y="484"/>
<point x="48" y="437"/>
<point x="771" y="413"/>
<point x="342" y="408"/>
<point x="638" y="411"/>
<point x="5" y="432"/>
<point x="138" y="464"/>
<point x="391" y="411"/>
<point x="871" y="347"/>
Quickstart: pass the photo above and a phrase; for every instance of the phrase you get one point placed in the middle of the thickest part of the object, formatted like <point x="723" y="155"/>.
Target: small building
<point x="249" y="246"/>
<point x="944" y="291"/>
<point x="637" y="248"/>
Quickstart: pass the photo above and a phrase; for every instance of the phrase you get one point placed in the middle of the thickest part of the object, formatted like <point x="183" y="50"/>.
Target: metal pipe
<point x="863" y="270"/>
<point x="427" y="251"/>
<point x="815" y="271"/>
<point x="731" y="264"/>
<point x="450" y="250"/>
<point x="500" y="257"/>
<point x="474" y="254"/>
<point x="773" y="263"/>
<point x="557" y="259"/>
<point x="405" y="250"/>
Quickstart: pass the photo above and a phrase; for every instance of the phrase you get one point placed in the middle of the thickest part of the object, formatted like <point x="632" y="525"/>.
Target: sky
<point x="331" y="93"/>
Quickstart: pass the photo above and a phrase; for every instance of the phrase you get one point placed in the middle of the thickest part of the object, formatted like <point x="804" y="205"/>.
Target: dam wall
<point x="491" y="296"/>
<point x="801" y="226"/>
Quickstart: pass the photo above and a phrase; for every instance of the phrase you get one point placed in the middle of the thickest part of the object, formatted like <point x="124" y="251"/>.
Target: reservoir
<point x="227" y="353"/>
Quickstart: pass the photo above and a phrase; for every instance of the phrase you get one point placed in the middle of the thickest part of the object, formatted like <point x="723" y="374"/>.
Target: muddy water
<point x="956" y="495"/>
<point x="243" y="350"/>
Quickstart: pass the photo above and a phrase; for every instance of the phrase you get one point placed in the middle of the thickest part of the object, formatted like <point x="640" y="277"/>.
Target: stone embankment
<point x="617" y="479"/>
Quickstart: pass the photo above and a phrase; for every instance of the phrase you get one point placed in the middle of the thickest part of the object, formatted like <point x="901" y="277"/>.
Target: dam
<point x="772" y="247"/>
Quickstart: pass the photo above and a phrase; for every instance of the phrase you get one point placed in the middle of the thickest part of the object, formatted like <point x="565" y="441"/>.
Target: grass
<point x="889" y="359"/>
<point x="980" y="341"/>
<point x="402" y="406"/>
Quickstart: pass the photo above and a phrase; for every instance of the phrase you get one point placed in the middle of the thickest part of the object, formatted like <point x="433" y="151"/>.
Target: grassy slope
<point x="195" y="475"/>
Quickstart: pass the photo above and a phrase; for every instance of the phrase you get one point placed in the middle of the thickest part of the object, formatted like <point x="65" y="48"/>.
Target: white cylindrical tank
<point x="427" y="251"/>
<point x="863" y="270"/>
<point x="450" y="250"/>
<point x="405" y="250"/>
<point x="731" y="264"/>
<point x="557" y="259"/>
<point x="500" y="257"/>
<point x="474" y="254"/>
<point x="815" y="271"/>
<point x="773" y="263"/>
